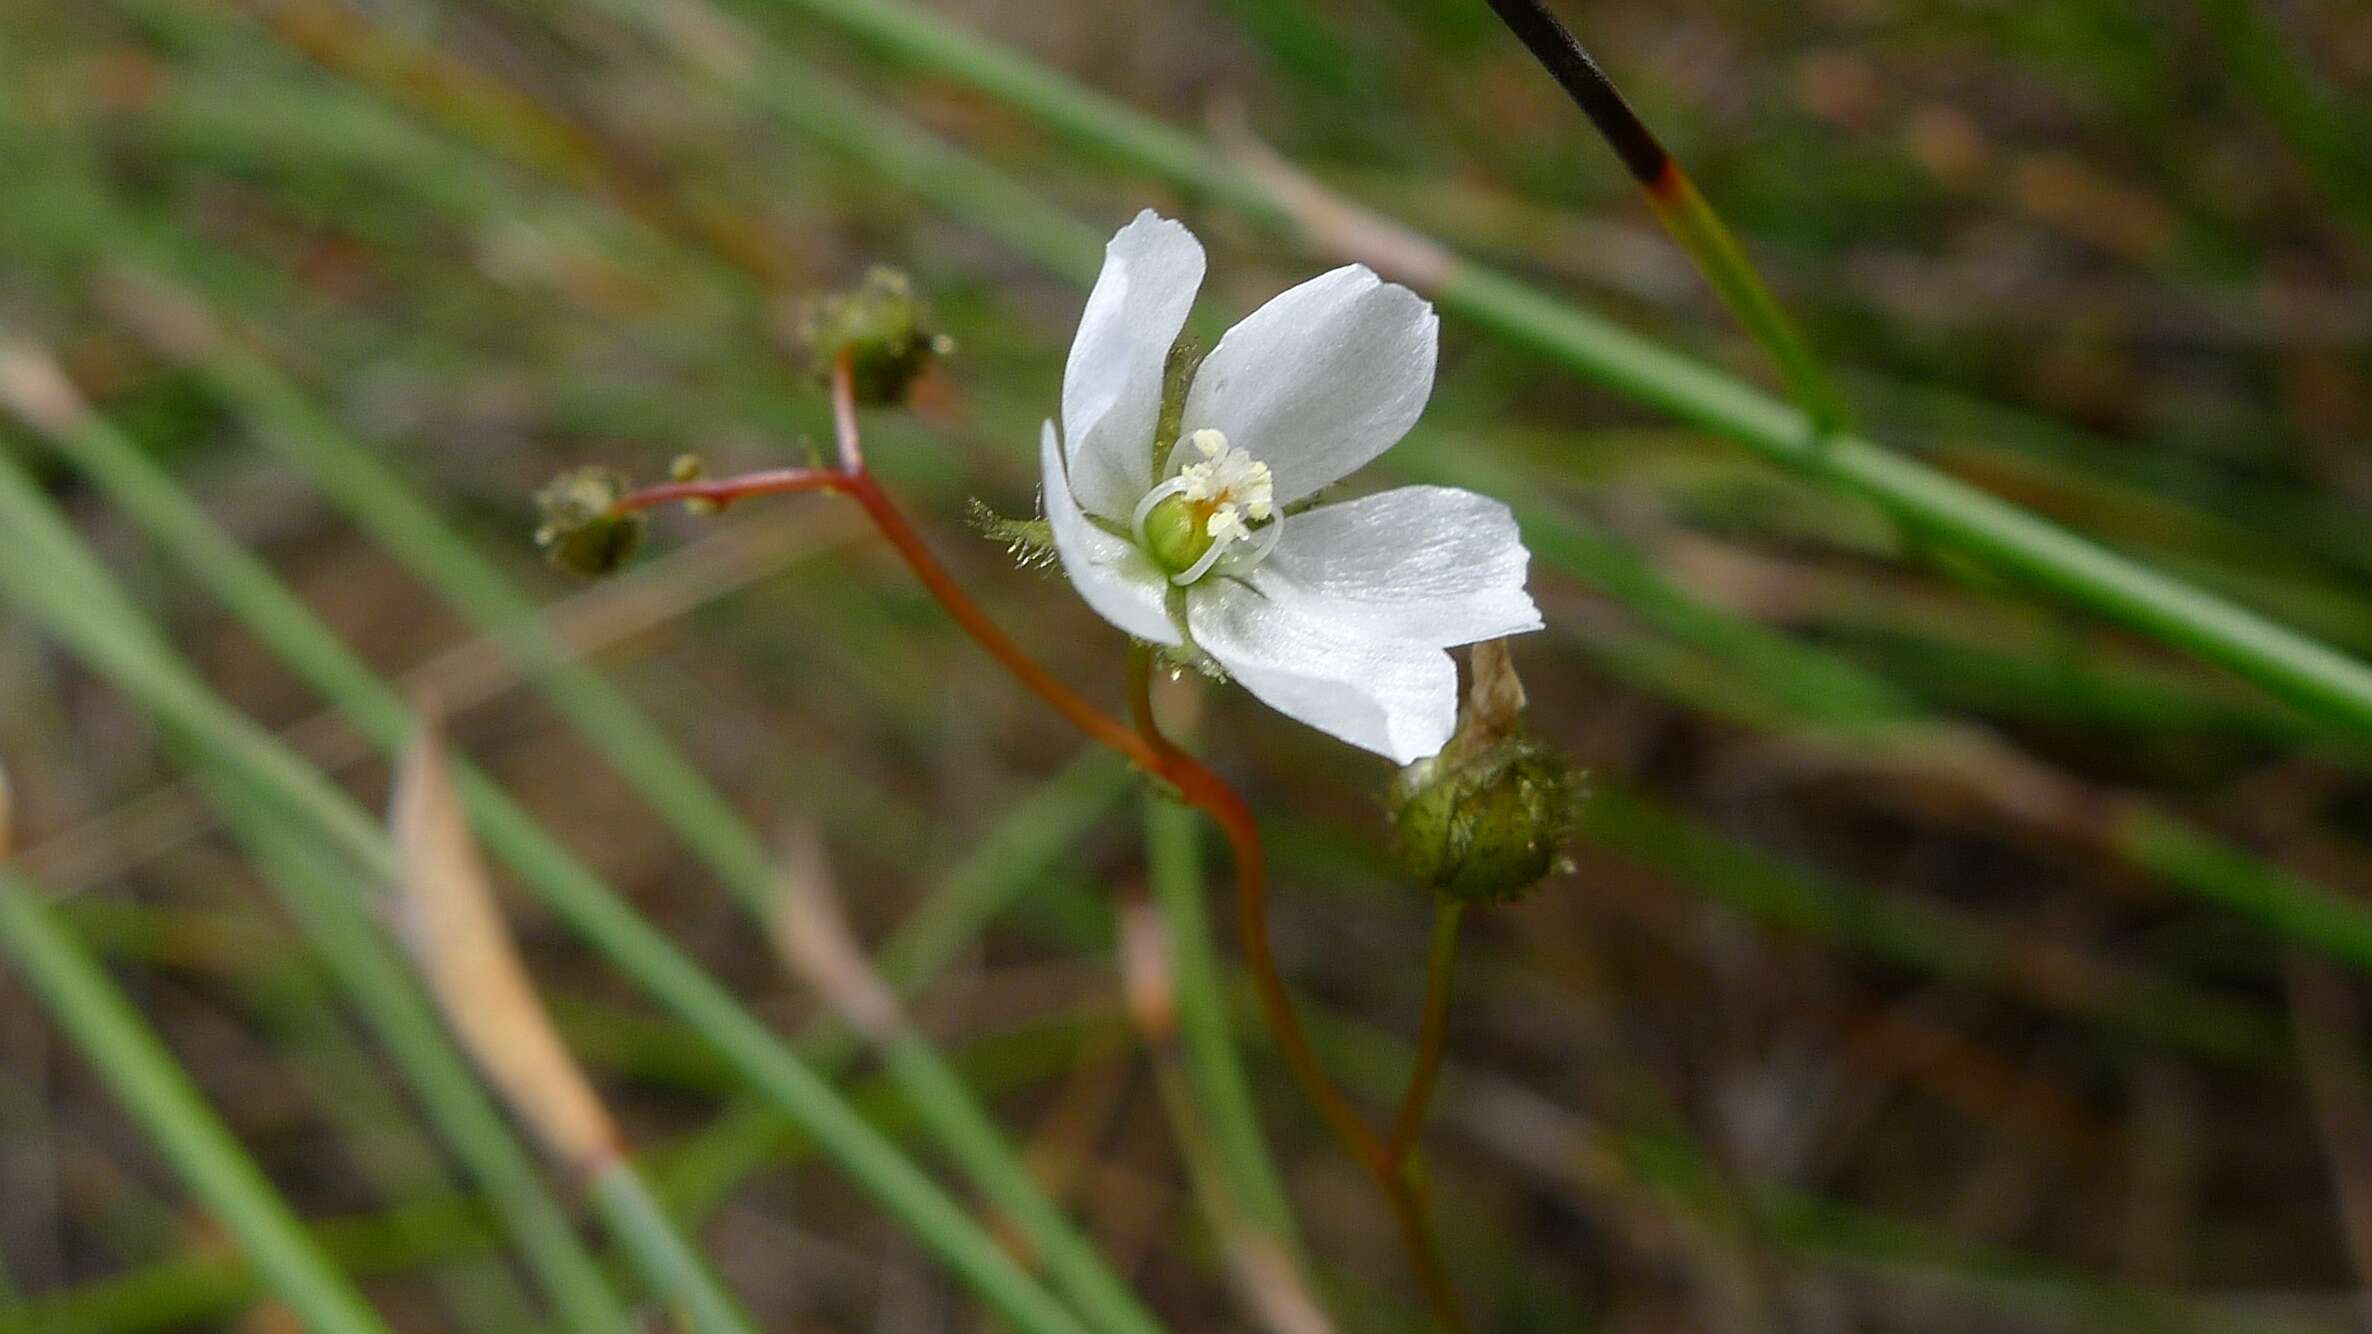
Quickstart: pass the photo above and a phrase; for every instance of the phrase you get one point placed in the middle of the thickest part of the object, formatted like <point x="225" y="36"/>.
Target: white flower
<point x="1337" y="615"/>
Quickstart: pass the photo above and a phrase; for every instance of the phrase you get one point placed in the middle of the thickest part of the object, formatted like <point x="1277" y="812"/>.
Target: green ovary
<point x="1177" y="533"/>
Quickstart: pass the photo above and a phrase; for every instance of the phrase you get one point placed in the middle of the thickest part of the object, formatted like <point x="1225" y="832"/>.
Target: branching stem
<point x="1146" y="747"/>
<point x="1206" y="791"/>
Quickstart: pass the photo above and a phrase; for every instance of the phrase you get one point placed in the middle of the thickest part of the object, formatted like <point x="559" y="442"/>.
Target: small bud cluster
<point x="1486" y="819"/>
<point x="880" y="324"/>
<point x="582" y="531"/>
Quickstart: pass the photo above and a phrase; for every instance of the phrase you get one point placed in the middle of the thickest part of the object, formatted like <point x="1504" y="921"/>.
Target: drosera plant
<point x="1185" y="500"/>
<point x="1169" y="488"/>
<point x="1953" y="516"/>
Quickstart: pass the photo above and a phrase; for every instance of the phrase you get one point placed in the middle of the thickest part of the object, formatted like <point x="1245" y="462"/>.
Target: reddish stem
<point x="1148" y="750"/>
<point x="778" y="482"/>
<point x="1383" y="1161"/>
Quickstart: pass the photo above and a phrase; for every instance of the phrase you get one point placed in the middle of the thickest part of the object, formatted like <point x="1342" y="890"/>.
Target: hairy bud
<point x="581" y="531"/>
<point x="880" y="323"/>
<point x="1486" y="819"/>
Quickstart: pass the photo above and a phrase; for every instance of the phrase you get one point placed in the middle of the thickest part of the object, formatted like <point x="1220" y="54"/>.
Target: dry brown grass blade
<point x="7" y="816"/>
<point x="35" y="387"/>
<point x="812" y="935"/>
<point x="1336" y="224"/>
<point x="466" y="955"/>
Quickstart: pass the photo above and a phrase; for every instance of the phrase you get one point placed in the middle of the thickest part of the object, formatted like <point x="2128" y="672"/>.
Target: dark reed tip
<point x="1563" y="56"/>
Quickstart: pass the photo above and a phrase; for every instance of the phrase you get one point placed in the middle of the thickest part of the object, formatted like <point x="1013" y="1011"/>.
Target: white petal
<point x="1321" y="379"/>
<point x="1116" y="579"/>
<point x="1396" y="697"/>
<point x="1111" y="387"/>
<point x="1429" y="563"/>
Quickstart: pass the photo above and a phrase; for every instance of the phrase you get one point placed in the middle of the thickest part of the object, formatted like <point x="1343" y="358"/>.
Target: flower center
<point x="1190" y="521"/>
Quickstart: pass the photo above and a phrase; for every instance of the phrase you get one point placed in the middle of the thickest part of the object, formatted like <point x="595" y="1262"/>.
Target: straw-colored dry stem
<point x="465" y="953"/>
<point x="812" y="935"/>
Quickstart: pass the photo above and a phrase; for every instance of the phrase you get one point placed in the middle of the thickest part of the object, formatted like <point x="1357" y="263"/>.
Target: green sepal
<point x="1030" y="542"/>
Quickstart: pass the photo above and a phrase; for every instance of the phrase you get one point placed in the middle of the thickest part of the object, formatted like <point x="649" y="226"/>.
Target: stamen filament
<point x="1203" y="566"/>
<point x="1268" y="537"/>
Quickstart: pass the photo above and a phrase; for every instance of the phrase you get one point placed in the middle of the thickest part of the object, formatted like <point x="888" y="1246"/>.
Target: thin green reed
<point x="2192" y="860"/>
<point x="152" y="1086"/>
<point x="332" y="914"/>
<point x="1685" y="212"/>
<point x="383" y="505"/>
<point x="355" y="949"/>
<point x="60" y="584"/>
<point x="692" y="1176"/>
<point x="383" y="990"/>
<point x="401" y="521"/>
<point x="1174" y="874"/>
<point x="294" y="1005"/>
<point x="1840" y="690"/>
<point x="2309" y="674"/>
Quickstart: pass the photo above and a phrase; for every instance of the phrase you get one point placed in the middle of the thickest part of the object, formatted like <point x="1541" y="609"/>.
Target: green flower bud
<point x="1489" y="827"/>
<point x="581" y="533"/>
<point x="1177" y="533"/>
<point x="881" y="324"/>
<point x="1486" y="819"/>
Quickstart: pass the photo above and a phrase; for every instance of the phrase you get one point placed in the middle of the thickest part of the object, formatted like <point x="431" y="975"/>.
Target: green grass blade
<point x="945" y="1103"/>
<point x="144" y="1075"/>
<point x="59" y="582"/>
<point x="1684" y="211"/>
<point x="2310" y="675"/>
<point x="1174" y="873"/>
<point x="1820" y="682"/>
<point x="404" y="523"/>
<point x="1690" y="218"/>
<point x="331" y="911"/>
<point x="660" y="1250"/>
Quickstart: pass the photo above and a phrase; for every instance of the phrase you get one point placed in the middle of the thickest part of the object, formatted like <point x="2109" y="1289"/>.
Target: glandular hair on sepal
<point x="1030" y="542"/>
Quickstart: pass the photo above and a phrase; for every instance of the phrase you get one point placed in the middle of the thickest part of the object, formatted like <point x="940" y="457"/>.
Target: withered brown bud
<point x="582" y="533"/>
<point x="881" y="325"/>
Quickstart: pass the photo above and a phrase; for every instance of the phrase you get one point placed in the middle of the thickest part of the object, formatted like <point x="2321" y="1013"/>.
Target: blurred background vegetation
<point x="1915" y="971"/>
